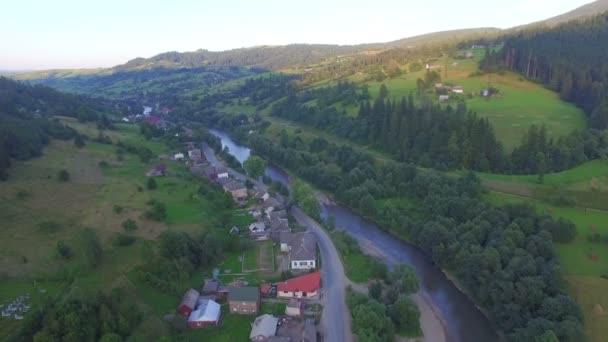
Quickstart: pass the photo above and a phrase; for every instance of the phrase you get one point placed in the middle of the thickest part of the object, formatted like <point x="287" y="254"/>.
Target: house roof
<point x="207" y="311"/>
<point x="303" y="246"/>
<point x="279" y="224"/>
<point x="211" y="285"/>
<point x="310" y="282"/>
<point x="232" y="185"/>
<point x="152" y="119"/>
<point x="243" y="294"/>
<point x="190" y="298"/>
<point x="278" y="214"/>
<point x="264" y="326"/>
<point x="257" y="226"/>
<point x="285" y="237"/>
<point x="271" y="202"/>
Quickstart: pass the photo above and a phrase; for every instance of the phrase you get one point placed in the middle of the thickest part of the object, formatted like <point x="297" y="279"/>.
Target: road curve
<point x="335" y="321"/>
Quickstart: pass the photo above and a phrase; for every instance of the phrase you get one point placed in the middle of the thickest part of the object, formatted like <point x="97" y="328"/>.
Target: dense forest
<point x="434" y="135"/>
<point x="503" y="256"/>
<point x="25" y="123"/>
<point x="570" y="59"/>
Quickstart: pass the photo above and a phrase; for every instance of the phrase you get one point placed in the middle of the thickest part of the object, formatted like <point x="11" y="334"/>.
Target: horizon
<point x="59" y="36"/>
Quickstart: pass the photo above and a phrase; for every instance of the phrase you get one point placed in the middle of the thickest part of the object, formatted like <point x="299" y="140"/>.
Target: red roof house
<point x="153" y="119"/>
<point x="304" y="286"/>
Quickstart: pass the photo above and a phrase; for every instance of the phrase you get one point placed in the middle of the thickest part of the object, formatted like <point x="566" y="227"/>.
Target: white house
<point x="178" y="156"/>
<point x="444" y="98"/>
<point x="458" y="90"/>
<point x="257" y="227"/>
<point x="302" y="249"/>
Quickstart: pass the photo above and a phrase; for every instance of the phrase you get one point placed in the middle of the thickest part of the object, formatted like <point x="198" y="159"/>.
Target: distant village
<point x="298" y="254"/>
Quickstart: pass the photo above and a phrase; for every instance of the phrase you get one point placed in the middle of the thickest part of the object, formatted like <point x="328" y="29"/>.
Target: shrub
<point x="129" y="225"/>
<point x="103" y="164"/>
<point x="49" y="226"/>
<point x="22" y="194"/>
<point x="158" y="212"/>
<point x="122" y="240"/>
<point x="63" y="175"/>
<point x="64" y="250"/>
<point x="151" y="184"/>
<point x="117" y="209"/>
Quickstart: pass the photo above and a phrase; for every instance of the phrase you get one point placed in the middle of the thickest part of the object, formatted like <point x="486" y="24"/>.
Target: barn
<point x="188" y="303"/>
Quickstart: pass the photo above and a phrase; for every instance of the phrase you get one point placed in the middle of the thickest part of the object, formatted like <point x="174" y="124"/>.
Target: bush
<point x="49" y="226"/>
<point x="129" y="225"/>
<point x="117" y="209"/>
<point x="63" y="175"/>
<point x="64" y="250"/>
<point x="91" y="245"/>
<point x="22" y="194"/>
<point x="122" y="240"/>
<point x="158" y="212"/>
<point x="151" y="184"/>
<point x="79" y="141"/>
<point x="103" y="164"/>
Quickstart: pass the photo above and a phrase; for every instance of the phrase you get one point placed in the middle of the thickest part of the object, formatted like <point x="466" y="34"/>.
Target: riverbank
<point x="434" y="328"/>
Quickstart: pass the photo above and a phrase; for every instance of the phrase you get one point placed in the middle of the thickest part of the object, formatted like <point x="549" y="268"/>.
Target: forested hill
<point x="588" y="10"/>
<point x="279" y="57"/>
<point x="25" y="124"/>
<point x="570" y="59"/>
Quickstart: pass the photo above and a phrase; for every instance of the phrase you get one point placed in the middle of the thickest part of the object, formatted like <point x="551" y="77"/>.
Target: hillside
<point x="582" y="12"/>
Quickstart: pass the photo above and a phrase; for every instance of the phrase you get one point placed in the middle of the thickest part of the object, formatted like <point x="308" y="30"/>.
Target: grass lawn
<point x="276" y="309"/>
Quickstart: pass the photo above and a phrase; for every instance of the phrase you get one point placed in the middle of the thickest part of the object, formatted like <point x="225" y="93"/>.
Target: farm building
<point x="188" y="303"/>
<point x="304" y="286"/>
<point x="244" y="300"/>
<point x="264" y="328"/>
<point x="206" y="314"/>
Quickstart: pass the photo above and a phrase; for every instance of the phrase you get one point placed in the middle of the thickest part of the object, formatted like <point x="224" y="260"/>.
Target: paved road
<point x="335" y="321"/>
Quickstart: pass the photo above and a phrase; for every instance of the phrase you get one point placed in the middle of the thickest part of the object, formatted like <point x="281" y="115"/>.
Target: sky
<point x="49" y="34"/>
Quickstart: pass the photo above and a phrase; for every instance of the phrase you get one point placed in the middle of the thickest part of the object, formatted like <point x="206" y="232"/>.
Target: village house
<point x="302" y="249"/>
<point x="294" y="308"/>
<point x="457" y="89"/>
<point x="443" y="98"/>
<point x="215" y="173"/>
<point x="263" y="328"/>
<point x="206" y="314"/>
<point x="304" y="286"/>
<point x="178" y="156"/>
<point x="244" y="300"/>
<point x="237" y="189"/>
<point x="257" y="227"/>
<point x="270" y="205"/>
<point x="279" y="214"/>
<point x="188" y="303"/>
<point x="195" y="154"/>
<point x="213" y="287"/>
<point x="158" y="171"/>
<point x="277" y="227"/>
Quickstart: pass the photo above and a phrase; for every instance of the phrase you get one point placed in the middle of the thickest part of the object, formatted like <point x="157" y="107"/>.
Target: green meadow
<point x="104" y="190"/>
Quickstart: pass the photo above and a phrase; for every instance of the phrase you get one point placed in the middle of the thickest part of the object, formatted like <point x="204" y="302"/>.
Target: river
<point x="463" y="320"/>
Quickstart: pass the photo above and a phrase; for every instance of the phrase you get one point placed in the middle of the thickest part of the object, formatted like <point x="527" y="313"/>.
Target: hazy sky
<point x="47" y="34"/>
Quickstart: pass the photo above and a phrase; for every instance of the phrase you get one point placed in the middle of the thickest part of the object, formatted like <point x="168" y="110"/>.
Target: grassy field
<point x="38" y="210"/>
<point x="523" y="103"/>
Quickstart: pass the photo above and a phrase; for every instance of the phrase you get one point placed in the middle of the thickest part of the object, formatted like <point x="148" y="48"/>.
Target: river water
<point x="464" y="322"/>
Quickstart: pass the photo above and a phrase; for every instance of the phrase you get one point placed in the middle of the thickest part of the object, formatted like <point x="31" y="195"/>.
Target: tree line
<point x="433" y="135"/>
<point x="569" y="59"/>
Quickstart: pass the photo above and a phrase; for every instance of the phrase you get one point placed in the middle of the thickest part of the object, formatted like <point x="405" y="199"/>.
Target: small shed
<point x="294" y="308"/>
<point x="188" y="303"/>
<point x="263" y="328"/>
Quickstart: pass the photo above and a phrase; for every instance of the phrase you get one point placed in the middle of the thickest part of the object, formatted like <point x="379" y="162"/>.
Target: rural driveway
<point x="335" y="321"/>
